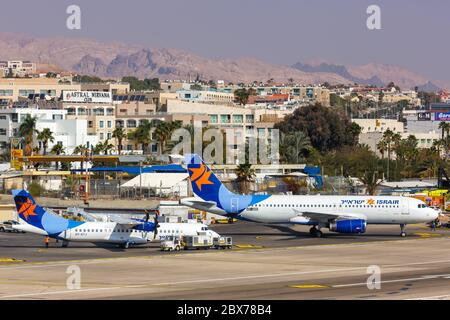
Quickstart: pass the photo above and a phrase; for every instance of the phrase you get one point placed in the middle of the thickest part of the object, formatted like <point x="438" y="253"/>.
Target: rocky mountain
<point x="88" y="56"/>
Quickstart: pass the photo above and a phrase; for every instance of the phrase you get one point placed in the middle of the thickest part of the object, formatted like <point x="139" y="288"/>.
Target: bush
<point x="35" y="189"/>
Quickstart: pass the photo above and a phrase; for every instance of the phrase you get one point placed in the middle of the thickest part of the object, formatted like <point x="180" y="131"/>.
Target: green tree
<point x="241" y="96"/>
<point x="294" y="147"/>
<point x="245" y="175"/>
<point x="27" y="129"/>
<point x="327" y="129"/>
<point x="119" y="134"/>
<point x="45" y="136"/>
<point x="57" y="149"/>
<point x="390" y="139"/>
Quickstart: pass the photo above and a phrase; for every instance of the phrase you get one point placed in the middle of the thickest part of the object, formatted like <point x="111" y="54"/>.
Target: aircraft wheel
<point x="319" y="234"/>
<point x="403" y="234"/>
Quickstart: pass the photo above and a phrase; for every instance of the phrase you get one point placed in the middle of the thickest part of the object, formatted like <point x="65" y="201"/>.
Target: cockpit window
<point x="421" y="205"/>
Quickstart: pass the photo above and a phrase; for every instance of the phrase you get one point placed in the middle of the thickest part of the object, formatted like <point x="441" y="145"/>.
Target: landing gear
<point x="315" y="232"/>
<point x="126" y="245"/>
<point x="402" y="230"/>
<point x="65" y="244"/>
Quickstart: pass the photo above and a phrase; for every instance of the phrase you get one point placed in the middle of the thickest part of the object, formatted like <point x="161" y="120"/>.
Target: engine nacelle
<point x="348" y="226"/>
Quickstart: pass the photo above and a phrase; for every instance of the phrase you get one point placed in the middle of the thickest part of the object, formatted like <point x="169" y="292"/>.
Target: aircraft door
<point x="234" y="205"/>
<point x="404" y="205"/>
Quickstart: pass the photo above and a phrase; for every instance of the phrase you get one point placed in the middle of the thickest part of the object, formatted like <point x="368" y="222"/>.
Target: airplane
<point x="338" y="213"/>
<point x="120" y="231"/>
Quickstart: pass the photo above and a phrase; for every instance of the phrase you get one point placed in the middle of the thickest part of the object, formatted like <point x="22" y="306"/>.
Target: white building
<point x="379" y="125"/>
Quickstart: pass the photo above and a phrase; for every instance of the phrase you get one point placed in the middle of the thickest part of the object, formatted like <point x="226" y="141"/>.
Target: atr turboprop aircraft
<point x="342" y="214"/>
<point x="120" y="231"/>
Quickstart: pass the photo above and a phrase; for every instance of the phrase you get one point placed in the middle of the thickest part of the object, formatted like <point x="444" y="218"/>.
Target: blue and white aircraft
<point x="342" y="214"/>
<point x="120" y="231"/>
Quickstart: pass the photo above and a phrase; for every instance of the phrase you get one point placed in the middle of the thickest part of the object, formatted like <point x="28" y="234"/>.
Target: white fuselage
<point x="373" y="209"/>
<point x="112" y="232"/>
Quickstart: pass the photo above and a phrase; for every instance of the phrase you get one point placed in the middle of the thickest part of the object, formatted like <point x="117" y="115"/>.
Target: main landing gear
<point x="315" y="232"/>
<point x="402" y="230"/>
<point x="65" y="244"/>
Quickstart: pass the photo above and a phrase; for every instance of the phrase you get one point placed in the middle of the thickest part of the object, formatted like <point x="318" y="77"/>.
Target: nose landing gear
<point x="402" y="230"/>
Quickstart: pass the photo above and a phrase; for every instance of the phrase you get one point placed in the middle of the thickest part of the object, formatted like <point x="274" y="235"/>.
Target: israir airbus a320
<point x="342" y="214"/>
<point x="120" y="231"/>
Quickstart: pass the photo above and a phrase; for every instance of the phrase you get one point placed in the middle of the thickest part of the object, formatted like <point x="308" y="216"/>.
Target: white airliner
<point x="342" y="214"/>
<point x="124" y="232"/>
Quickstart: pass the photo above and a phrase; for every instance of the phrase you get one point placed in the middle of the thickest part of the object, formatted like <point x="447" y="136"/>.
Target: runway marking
<point x="233" y="278"/>
<point x="427" y="235"/>
<point x="309" y="286"/>
<point x="9" y="260"/>
<point x="432" y="297"/>
<point x="248" y="246"/>
<point x="426" y="277"/>
<point x="56" y="292"/>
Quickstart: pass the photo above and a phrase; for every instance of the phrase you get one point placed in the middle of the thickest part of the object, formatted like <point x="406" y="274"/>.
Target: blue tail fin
<point x="207" y="186"/>
<point x="33" y="214"/>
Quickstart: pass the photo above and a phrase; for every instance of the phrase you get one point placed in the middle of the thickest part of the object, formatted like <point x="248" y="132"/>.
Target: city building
<point x="17" y="68"/>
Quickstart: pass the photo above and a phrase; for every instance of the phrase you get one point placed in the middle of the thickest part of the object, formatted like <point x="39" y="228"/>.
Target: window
<point x="213" y="118"/>
<point x="6" y="93"/>
<point x="109" y="135"/>
<point x="90" y="124"/>
<point x="109" y="123"/>
<point x="2" y="132"/>
<point x="131" y="123"/>
<point x="82" y="111"/>
<point x="25" y="92"/>
<point x="102" y="124"/>
<point x="57" y="117"/>
<point x="110" y="112"/>
<point x="249" y="118"/>
<point x="102" y="136"/>
<point x="238" y="118"/>
<point x="225" y="118"/>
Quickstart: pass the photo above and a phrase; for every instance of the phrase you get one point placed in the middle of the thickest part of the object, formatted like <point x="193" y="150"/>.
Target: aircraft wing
<point x="325" y="217"/>
<point x="209" y="206"/>
<point x="125" y="221"/>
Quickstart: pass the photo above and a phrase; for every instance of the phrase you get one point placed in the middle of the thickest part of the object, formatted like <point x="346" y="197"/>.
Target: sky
<point x="414" y="33"/>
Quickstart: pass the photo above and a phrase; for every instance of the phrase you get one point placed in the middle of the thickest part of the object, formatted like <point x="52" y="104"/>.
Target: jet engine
<point x="348" y="226"/>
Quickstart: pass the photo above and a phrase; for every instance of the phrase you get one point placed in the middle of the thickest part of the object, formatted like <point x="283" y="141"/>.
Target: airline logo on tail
<point x="207" y="186"/>
<point x="27" y="208"/>
<point x="200" y="176"/>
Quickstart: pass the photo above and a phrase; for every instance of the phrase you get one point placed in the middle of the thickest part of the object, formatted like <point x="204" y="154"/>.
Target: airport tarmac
<point x="268" y="264"/>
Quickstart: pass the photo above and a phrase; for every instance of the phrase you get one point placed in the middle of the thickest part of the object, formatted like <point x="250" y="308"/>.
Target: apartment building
<point x="379" y="125"/>
<point x="11" y="89"/>
<point x="17" y="68"/>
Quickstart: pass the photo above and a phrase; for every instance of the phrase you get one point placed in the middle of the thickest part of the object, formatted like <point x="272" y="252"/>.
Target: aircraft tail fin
<point x="31" y="213"/>
<point x="205" y="183"/>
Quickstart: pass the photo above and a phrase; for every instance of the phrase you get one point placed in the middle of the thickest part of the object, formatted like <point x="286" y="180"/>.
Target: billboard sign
<point x="424" y="116"/>
<point x="442" y="116"/>
<point x="16" y="163"/>
<point x="87" y="96"/>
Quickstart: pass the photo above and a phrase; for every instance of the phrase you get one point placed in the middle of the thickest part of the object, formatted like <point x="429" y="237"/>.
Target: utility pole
<point x="140" y="179"/>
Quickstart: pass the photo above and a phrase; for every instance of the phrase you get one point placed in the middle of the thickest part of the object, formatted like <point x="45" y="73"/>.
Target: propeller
<point x="155" y="221"/>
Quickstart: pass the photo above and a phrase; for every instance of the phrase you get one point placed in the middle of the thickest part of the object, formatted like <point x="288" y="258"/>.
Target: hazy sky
<point x="415" y="33"/>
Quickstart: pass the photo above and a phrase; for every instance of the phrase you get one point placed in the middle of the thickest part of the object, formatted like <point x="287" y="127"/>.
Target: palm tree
<point x="445" y="128"/>
<point x="382" y="147"/>
<point x="132" y="136"/>
<point x="163" y="133"/>
<point x="142" y="134"/>
<point x="27" y="130"/>
<point x="57" y="149"/>
<point x="119" y="134"/>
<point x="245" y="174"/>
<point x="45" y="136"/>
<point x="391" y="139"/>
<point x="295" y="146"/>
<point x="81" y="150"/>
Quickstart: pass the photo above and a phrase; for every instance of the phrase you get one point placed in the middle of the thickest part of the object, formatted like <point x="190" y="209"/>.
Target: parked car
<point x="6" y="226"/>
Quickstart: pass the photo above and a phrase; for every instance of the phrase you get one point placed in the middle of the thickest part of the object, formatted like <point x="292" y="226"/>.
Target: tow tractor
<point x="201" y="241"/>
